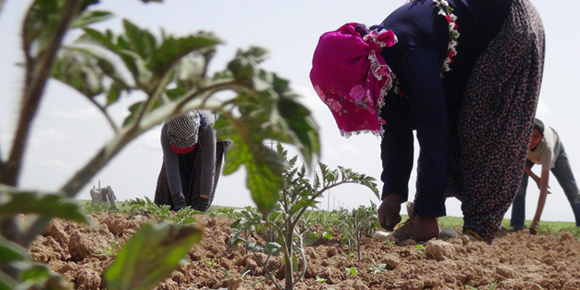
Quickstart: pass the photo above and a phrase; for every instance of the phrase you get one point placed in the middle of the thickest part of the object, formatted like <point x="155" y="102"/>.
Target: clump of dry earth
<point x="515" y="260"/>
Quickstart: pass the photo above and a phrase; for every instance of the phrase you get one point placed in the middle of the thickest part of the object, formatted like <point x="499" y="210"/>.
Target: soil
<point x="515" y="260"/>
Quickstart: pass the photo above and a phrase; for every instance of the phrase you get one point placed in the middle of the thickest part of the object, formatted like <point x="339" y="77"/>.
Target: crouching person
<point x="192" y="162"/>
<point x="546" y="149"/>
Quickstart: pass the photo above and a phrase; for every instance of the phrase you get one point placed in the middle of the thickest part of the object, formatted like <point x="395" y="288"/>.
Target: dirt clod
<point x="566" y="236"/>
<point x="505" y="271"/>
<point x="88" y="279"/>
<point x="391" y="261"/>
<point x="439" y="250"/>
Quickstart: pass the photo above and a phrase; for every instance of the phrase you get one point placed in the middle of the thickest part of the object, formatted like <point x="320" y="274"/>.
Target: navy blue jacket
<point x="431" y="103"/>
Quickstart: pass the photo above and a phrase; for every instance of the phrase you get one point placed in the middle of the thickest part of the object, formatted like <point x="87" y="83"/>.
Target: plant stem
<point x="304" y="262"/>
<point x="358" y="244"/>
<point x="272" y="278"/>
<point x="148" y="105"/>
<point x="36" y="77"/>
<point x="288" y="270"/>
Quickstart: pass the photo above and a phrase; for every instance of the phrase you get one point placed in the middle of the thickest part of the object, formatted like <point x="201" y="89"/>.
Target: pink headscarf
<point x="351" y="77"/>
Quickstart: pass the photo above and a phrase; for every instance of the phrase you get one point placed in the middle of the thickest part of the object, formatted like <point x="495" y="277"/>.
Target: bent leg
<point x="162" y="192"/>
<point x="519" y="206"/>
<point x="565" y="177"/>
<point x="496" y="116"/>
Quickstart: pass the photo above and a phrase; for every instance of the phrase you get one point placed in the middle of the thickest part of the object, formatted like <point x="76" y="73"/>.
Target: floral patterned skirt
<point x="190" y="171"/>
<point x="489" y="144"/>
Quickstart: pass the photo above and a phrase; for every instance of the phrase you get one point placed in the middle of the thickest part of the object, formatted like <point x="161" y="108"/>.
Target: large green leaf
<point x="40" y="23"/>
<point x="13" y="201"/>
<point x="105" y="40"/>
<point x="90" y="17"/>
<point x="264" y="170"/>
<point x="38" y="276"/>
<point x="79" y="70"/>
<point x="301" y="127"/>
<point x="10" y="251"/>
<point x="43" y="19"/>
<point x="264" y="181"/>
<point x="142" y="41"/>
<point x="273" y="249"/>
<point x="243" y="69"/>
<point x="86" y="70"/>
<point x="30" y="274"/>
<point x="117" y="45"/>
<point x="310" y="237"/>
<point x="5" y="281"/>
<point x="172" y="50"/>
<point x="150" y="255"/>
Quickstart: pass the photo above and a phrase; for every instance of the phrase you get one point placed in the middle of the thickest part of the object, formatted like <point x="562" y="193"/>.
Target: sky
<point x="68" y="130"/>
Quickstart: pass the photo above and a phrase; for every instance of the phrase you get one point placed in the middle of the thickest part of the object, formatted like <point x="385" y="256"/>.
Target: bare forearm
<point x="541" y="203"/>
<point x="530" y="173"/>
<point x="543" y="194"/>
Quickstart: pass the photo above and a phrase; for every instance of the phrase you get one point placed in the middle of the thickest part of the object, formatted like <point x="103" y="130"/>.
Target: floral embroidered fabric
<point x="446" y="10"/>
<point x="353" y="80"/>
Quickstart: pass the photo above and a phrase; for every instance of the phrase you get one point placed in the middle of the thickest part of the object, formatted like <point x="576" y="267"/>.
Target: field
<point x="514" y="261"/>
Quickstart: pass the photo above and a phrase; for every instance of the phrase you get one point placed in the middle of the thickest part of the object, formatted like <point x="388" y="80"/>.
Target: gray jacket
<point x="207" y="148"/>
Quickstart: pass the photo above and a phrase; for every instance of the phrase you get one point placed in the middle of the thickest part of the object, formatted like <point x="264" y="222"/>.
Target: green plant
<point x="184" y="216"/>
<point x="242" y="275"/>
<point x="298" y="195"/>
<point x="146" y="207"/>
<point x="150" y="255"/>
<point x="171" y="73"/>
<point x="320" y="280"/>
<point x="328" y="219"/>
<point x="229" y="275"/>
<point x="421" y="248"/>
<point x="226" y="212"/>
<point x="573" y="230"/>
<point x="318" y="217"/>
<point x="547" y="230"/>
<point x="491" y="286"/>
<point x="98" y="207"/>
<point x="327" y="235"/>
<point x="361" y="222"/>
<point x="110" y="251"/>
<point x="378" y="268"/>
<point x="209" y="261"/>
<point x="134" y="207"/>
<point x="257" y="282"/>
<point x="351" y="271"/>
<point x="161" y="212"/>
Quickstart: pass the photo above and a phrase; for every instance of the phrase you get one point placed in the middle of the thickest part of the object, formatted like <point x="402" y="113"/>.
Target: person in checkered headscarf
<point x="191" y="162"/>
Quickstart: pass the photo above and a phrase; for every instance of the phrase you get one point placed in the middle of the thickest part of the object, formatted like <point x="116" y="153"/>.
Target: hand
<point x="538" y="184"/>
<point x="389" y="210"/>
<point x="533" y="228"/>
